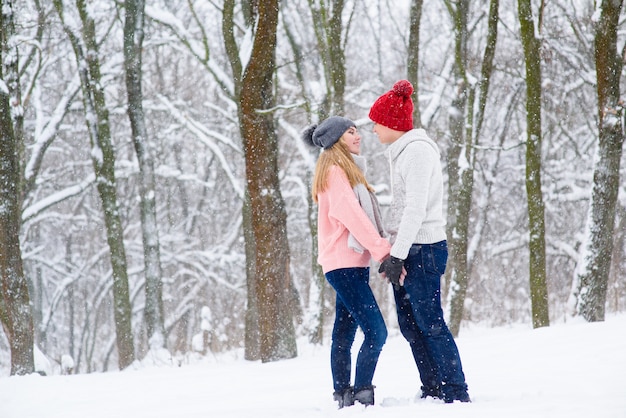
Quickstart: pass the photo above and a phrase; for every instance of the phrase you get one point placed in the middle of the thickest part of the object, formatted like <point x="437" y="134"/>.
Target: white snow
<point x="67" y="363"/>
<point x="566" y="370"/>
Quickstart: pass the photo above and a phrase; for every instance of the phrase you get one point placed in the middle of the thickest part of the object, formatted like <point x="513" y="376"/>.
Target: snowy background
<point x="194" y="133"/>
<point x="567" y="370"/>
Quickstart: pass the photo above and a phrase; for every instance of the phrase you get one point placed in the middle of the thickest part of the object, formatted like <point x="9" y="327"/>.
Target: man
<point x="416" y="225"/>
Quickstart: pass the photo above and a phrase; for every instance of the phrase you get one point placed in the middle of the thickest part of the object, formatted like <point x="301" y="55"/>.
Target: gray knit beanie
<point x="327" y="133"/>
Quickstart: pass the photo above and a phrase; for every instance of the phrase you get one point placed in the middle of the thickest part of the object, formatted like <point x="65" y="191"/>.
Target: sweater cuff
<point x="401" y="249"/>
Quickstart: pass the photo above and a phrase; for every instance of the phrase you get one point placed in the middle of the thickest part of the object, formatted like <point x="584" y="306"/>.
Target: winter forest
<point x="155" y="192"/>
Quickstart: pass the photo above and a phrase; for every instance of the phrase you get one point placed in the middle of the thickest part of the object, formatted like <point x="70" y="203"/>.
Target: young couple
<point x="350" y="232"/>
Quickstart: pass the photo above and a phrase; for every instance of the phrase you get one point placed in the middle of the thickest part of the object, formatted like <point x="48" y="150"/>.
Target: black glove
<point x="392" y="267"/>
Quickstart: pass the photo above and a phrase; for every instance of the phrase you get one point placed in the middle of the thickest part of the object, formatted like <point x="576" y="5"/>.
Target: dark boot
<point x="344" y="397"/>
<point x="433" y="392"/>
<point x="365" y="395"/>
<point x="455" y="394"/>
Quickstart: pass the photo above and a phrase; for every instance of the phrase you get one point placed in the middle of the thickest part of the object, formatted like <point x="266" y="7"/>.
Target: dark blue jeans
<point x="355" y="307"/>
<point x="421" y="320"/>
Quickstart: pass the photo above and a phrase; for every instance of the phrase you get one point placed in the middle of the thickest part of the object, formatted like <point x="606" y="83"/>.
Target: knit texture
<point x="327" y="133"/>
<point x="394" y="109"/>
<point x="416" y="215"/>
<point x="369" y="203"/>
<point x="339" y="215"/>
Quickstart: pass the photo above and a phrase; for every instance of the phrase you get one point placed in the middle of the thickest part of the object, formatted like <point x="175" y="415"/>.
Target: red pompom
<point x="403" y="88"/>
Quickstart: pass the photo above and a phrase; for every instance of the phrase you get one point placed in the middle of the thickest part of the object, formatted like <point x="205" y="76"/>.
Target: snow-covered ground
<point x="567" y="370"/>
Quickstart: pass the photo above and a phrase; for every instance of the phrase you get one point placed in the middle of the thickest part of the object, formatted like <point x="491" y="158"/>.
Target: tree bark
<point x="15" y="311"/>
<point x="536" y="207"/>
<point x="253" y="333"/>
<point x="252" y="337"/>
<point x="328" y="27"/>
<point x="133" y="44"/>
<point x="465" y="122"/>
<point x="103" y="159"/>
<point x="413" y="59"/>
<point x="618" y="266"/>
<point x="337" y="63"/>
<point x="458" y="168"/>
<point x="269" y="223"/>
<point x="592" y="271"/>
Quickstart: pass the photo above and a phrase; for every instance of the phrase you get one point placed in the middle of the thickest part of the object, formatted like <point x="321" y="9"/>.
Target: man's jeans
<point x="355" y="307"/>
<point x="421" y="320"/>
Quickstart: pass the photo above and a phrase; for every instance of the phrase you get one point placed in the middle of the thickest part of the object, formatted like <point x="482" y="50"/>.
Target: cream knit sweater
<point x="416" y="215"/>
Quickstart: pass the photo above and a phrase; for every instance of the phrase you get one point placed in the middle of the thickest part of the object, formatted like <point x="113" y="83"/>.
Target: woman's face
<point x="352" y="139"/>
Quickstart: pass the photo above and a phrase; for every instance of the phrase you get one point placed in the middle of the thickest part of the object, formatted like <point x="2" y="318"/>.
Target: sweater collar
<point x="409" y="137"/>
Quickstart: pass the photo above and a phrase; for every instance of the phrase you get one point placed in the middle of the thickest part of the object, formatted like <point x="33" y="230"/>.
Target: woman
<point x="347" y="240"/>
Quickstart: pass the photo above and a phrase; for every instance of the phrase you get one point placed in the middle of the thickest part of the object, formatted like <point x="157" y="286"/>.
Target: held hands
<point x="393" y="269"/>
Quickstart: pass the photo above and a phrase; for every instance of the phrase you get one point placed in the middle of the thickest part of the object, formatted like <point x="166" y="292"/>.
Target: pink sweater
<point x="340" y="214"/>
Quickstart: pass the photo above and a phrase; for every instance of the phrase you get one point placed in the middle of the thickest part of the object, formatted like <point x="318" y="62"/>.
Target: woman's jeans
<point x="421" y="321"/>
<point x="355" y="307"/>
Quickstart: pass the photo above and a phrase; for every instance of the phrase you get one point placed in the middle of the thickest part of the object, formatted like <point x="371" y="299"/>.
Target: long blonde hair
<point x="338" y="155"/>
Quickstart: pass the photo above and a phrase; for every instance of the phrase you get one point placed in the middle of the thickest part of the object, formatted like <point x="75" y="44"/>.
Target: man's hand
<point x="393" y="268"/>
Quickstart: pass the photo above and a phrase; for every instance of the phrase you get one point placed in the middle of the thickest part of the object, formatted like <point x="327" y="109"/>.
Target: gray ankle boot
<point x="365" y="395"/>
<point x="344" y="397"/>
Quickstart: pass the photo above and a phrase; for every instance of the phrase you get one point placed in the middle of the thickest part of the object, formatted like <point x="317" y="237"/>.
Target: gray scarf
<point x="369" y="203"/>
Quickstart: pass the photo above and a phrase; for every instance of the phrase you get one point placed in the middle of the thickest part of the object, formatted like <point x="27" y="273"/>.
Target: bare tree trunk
<point x="318" y="288"/>
<point x="413" y="57"/>
<point x="252" y="335"/>
<point x="592" y="271"/>
<point x="337" y="63"/>
<point x="617" y="278"/>
<point x="268" y="215"/>
<point x="536" y="207"/>
<point x="103" y="159"/>
<point x="133" y="44"/>
<point x="459" y="170"/>
<point x="328" y="27"/>
<point x="15" y="311"/>
<point x="465" y="125"/>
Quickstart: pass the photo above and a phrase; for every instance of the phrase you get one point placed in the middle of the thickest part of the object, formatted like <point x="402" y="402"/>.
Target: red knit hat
<point x="394" y="109"/>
